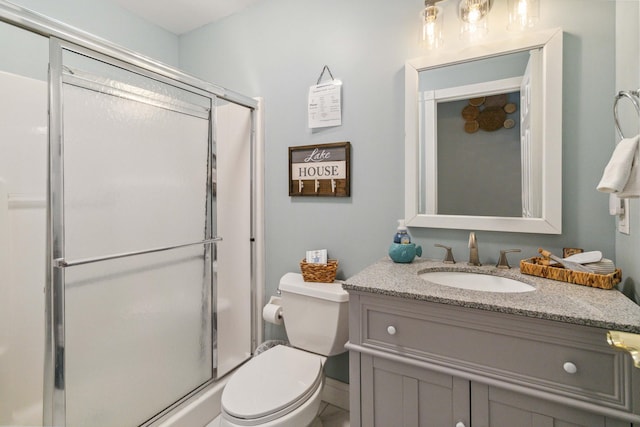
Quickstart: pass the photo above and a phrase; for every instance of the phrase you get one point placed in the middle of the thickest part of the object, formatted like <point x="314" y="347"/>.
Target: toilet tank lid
<point x="294" y="283"/>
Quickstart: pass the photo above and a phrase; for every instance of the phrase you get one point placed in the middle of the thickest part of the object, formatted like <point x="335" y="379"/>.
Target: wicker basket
<point x="534" y="267"/>
<point x="323" y="273"/>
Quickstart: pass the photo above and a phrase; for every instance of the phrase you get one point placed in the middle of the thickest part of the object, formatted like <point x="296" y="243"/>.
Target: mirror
<point x="483" y="128"/>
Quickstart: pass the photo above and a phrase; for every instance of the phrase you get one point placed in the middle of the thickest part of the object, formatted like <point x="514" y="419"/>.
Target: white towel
<point x="620" y="168"/>
<point x="632" y="188"/>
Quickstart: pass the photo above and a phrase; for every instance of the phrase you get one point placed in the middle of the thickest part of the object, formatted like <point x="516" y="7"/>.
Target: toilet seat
<point x="271" y="385"/>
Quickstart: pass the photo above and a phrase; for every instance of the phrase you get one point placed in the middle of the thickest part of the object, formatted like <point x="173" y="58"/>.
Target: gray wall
<point x="109" y="21"/>
<point x="491" y="161"/>
<point x="277" y="48"/>
<point x="628" y="78"/>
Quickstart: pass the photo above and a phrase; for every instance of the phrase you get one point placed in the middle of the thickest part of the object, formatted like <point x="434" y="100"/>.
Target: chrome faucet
<point x="473" y="250"/>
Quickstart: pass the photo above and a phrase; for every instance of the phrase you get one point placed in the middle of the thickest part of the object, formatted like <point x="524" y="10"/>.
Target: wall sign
<point x="325" y="105"/>
<point x="325" y="102"/>
<point x="320" y="170"/>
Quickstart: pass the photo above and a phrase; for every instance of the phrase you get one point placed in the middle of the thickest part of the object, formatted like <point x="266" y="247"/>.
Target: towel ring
<point x="634" y="96"/>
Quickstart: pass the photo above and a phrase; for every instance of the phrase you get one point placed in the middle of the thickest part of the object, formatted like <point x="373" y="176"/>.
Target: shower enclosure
<point x="152" y="260"/>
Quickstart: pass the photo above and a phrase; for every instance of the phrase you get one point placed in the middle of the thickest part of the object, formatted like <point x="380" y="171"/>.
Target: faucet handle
<point x="503" y="262"/>
<point x="473" y="242"/>
<point x="448" y="258"/>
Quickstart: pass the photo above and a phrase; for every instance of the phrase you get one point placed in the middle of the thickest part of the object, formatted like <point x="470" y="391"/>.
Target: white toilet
<point x="282" y="386"/>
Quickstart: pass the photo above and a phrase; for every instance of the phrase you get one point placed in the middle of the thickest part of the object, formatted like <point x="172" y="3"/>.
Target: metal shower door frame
<point x="65" y="35"/>
<point x="54" y="384"/>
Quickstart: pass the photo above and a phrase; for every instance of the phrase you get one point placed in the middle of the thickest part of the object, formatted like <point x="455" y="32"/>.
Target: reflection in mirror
<point x="482" y="129"/>
<point x="480" y="133"/>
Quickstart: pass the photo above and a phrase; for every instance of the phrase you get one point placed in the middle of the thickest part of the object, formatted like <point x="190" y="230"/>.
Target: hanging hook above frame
<point x="634" y="96"/>
<point x="326" y="68"/>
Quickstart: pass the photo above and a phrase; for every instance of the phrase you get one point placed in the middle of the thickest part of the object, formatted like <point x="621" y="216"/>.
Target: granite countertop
<point x="552" y="300"/>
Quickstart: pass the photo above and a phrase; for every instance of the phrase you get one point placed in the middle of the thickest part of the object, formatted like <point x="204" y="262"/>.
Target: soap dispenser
<point x="402" y="250"/>
<point x="402" y="234"/>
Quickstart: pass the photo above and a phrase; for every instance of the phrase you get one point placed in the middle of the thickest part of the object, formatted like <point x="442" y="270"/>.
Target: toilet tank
<point x="316" y="315"/>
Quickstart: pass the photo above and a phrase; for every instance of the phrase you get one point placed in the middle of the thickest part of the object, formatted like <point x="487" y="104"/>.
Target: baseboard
<point x="336" y="393"/>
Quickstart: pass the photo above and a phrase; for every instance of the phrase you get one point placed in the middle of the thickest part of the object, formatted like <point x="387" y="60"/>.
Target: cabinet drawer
<point x="477" y="343"/>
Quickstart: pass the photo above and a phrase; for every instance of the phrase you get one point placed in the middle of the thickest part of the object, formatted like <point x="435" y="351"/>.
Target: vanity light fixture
<point x="523" y="14"/>
<point x="473" y="14"/>
<point x="432" y="21"/>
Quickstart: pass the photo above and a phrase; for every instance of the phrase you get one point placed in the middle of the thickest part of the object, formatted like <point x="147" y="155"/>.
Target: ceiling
<point x="182" y="16"/>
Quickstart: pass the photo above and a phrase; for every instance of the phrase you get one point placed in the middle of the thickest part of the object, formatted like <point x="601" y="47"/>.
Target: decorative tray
<point x="535" y="267"/>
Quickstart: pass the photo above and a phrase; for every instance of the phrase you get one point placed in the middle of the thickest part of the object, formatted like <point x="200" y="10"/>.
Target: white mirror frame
<point x="550" y="221"/>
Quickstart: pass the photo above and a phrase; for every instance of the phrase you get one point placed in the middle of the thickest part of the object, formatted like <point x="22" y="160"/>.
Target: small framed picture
<point x="320" y="170"/>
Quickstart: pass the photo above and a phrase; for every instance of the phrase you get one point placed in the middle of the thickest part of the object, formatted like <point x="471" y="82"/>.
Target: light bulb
<point x="473" y="14"/>
<point x="523" y="14"/>
<point x="431" y="36"/>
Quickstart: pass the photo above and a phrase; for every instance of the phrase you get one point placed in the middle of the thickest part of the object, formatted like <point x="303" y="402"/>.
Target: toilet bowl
<point x="282" y="386"/>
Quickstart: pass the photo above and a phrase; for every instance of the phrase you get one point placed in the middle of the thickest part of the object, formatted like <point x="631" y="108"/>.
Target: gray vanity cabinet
<point x="497" y="407"/>
<point x="397" y="394"/>
<point x="418" y="363"/>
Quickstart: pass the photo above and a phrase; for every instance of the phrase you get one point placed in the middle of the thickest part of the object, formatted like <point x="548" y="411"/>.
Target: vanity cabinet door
<point x="396" y="394"/>
<point x="495" y="407"/>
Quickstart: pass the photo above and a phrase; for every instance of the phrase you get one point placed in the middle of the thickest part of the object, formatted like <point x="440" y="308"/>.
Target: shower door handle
<point x="62" y="263"/>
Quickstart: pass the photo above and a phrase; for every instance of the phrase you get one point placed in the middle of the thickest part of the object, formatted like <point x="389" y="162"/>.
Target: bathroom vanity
<point x="423" y="354"/>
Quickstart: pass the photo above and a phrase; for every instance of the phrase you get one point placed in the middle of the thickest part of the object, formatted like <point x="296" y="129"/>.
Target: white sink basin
<point x="476" y="282"/>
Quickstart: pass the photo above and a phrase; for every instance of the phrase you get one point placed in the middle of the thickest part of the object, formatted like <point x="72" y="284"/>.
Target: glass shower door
<point x="132" y="233"/>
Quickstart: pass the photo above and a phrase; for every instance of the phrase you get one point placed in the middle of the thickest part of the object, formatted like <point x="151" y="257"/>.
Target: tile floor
<point x="332" y="416"/>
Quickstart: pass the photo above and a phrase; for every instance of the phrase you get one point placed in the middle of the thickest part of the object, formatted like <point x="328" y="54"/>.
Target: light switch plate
<point x="623" y="219"/>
